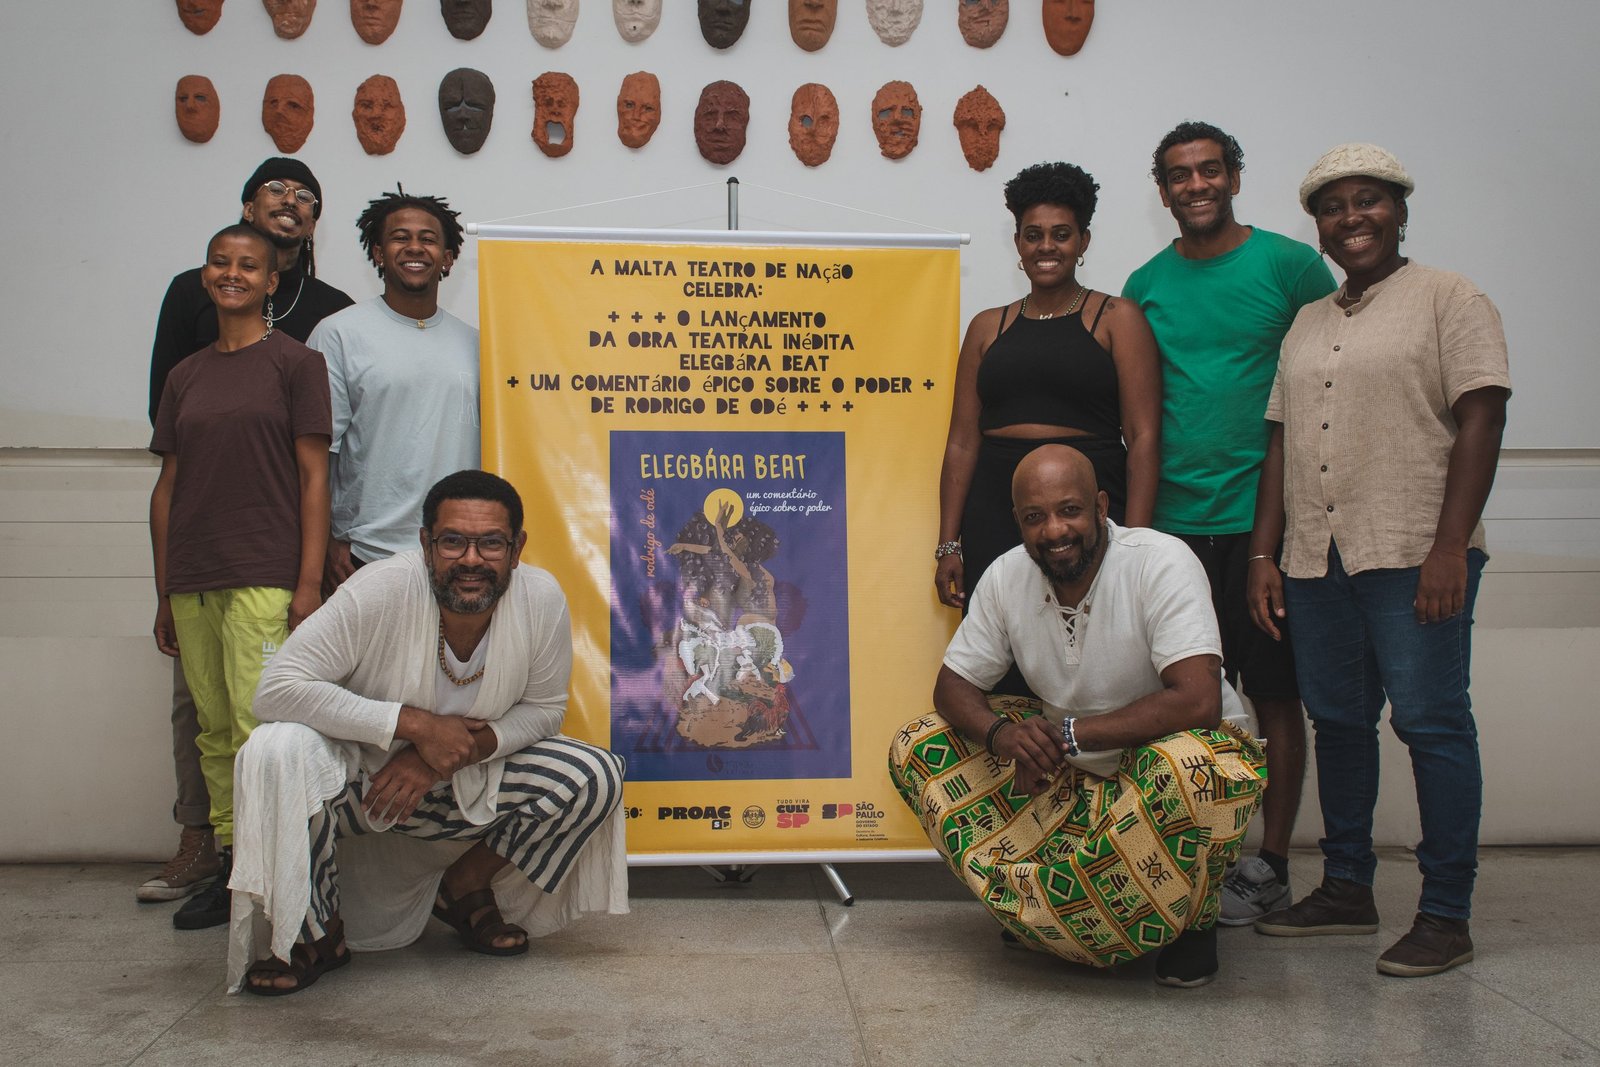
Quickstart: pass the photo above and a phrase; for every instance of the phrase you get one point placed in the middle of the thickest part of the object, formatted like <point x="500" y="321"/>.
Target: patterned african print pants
<point x="1096" y="870"/>
<point x="553" y="795"/>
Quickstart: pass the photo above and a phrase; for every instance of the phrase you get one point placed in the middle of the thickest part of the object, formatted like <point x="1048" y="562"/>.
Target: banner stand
<point x="726" y="439"/>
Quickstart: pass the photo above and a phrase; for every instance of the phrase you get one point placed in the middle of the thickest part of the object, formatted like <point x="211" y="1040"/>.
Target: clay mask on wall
<point x="720" y="121"/>
<point x="638" y="109"/>
<point x="636" y="19"/>
<point x="723" y="21"/>
<point x="197" y="107"/>
<point x="813" y="123"/>
<point x="979" y="120"/>
<point x="982" y="21"/>
<point x="379" y="114"/>
<point x="811" y="22"/>
<point x="1066" y="24"/>
<point x="551" y="21"/>
<point x="374" y="20"/>
<point x="466" y="107"/>
<point x="894" y="21"/>
<point x="555" y="106"/>
<point x="199" y="16"/>
<point x="287" y="111"/>
<point x="290" y="17"/>
<point x="896" y="119"/>
<point x="465" y="19"/>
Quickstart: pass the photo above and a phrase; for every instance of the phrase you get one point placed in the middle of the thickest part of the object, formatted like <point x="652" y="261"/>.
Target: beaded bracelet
<point x="988" y="739"/>
<point x="947" y="548"/>
<point x="1069" y="734"/>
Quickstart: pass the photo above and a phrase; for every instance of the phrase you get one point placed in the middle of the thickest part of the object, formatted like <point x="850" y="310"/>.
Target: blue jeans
<point x="1357" y="642"/>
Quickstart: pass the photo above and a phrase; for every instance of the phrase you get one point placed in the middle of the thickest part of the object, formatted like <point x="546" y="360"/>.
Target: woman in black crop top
<point x="1064" y="364"/>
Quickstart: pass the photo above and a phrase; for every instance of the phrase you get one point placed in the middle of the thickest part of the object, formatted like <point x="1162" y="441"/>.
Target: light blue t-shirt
<point x="405" y="414"/>
<point x="1219" y="323"/>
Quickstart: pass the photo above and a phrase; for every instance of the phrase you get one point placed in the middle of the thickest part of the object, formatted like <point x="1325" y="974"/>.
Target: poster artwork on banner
<point x="729" y="608"/>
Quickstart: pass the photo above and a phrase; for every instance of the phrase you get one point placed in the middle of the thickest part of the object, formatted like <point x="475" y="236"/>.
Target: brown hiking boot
<point x="1434" y="944"/>
<point x="1337" y="906"/>
<point x="189" y="871"/>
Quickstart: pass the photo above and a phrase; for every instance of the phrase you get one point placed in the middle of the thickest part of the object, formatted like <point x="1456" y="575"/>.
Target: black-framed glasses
<point x="491" y="547"/>
<point x="301" y="196"/>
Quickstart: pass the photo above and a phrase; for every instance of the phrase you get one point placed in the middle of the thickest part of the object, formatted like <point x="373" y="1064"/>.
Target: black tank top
<point x="1052" y="372"/>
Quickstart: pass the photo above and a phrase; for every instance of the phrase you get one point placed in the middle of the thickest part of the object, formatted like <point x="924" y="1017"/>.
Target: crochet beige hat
<point x="1348" y="160"/>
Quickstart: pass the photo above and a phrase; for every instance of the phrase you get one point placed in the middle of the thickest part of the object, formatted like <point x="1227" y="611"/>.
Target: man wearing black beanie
<point x="283" y="200"/>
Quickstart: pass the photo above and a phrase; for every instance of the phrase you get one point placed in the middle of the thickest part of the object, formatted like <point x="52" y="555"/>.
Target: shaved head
<point x="1053" y="471"/>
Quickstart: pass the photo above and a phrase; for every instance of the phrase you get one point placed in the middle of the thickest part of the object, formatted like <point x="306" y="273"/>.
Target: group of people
<point x="329" y="561"/>
<point x="1236" y="473"/>
<point x="1316" y="458"/>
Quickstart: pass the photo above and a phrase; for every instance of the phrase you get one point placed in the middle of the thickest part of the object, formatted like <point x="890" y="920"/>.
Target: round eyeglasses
<point x="301" y="196"/>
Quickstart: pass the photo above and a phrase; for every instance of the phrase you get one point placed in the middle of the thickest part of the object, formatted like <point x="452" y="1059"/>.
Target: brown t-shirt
<point x="231" y="419"/>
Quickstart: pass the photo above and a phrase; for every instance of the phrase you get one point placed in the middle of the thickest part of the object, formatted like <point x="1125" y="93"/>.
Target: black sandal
<point x="308" y="961"/>
<point x="478" y="934"/>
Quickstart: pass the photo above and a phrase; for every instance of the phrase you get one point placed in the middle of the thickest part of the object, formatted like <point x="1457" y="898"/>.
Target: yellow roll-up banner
<point x="729" y="454"/>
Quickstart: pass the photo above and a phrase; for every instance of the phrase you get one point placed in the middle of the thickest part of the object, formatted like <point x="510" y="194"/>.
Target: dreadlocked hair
<point x="370" y="224"/>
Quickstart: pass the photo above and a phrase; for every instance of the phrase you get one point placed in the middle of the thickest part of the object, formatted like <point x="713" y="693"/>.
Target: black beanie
<point x="281" y="168"/>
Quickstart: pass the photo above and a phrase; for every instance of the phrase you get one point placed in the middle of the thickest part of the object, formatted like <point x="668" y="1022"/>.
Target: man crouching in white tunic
<point x="424" y="699"/>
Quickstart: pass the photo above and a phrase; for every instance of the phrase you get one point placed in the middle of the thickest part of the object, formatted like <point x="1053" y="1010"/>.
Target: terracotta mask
<point x="896" y="119"/>
<point x="555" y="107"/>
<point x="287" y="111"/>
<point x="638" y="109"/>
<point x="979" y="121"/>
<point x="982" y="21"/>
<point x="811" y="22"/>
<point x="374" y="20"/>
<point x="813" y="123"/>
<point x="198" y="16"/>
<point x="379" y="114"/>
<point x="894" y="21"/>
<point x="466" y="107"/>
<point x="720" y="120"/>
<point x="465" y="19"/>
<point x="722" y="22"/>
<point x="551" y="21"/>
<point x="290" y="17"/>
<point x="636" y="19"/>
<point x="198" y="108"/>
<point x="1066" y="24"/>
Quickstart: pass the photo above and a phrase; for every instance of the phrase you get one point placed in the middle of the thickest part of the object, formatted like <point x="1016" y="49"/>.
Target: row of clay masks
<point x="722" y="22"/>
<point x="722" y="115"/>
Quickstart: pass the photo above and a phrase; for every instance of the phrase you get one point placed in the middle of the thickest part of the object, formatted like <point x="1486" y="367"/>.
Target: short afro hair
<point x="245" y="230"/>
<point x="473" y="485"/>
<point x="1183" y="133"/>
<point x="378" y="211"/>
<point x="1062" y="184"/>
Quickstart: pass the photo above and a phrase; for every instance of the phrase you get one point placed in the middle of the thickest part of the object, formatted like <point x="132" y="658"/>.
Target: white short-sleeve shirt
<point x="1148" y="608"/>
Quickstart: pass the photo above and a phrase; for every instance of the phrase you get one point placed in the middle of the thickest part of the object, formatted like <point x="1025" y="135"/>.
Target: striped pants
<point x="553" y="795"/>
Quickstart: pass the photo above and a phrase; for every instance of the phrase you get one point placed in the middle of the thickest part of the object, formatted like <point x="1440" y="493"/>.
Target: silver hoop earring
<point x="1020" y="266"/>
<point x="1080" y="261"/>
<point x="1402" y="231"/>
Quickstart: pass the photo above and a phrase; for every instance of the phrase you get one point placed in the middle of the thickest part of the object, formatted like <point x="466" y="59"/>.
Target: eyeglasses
<point x="301" y="196"/>
<point x="491" y="547"/>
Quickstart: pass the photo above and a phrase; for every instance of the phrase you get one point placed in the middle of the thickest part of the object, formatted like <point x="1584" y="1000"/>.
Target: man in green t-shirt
<point x="1220" y="298"/>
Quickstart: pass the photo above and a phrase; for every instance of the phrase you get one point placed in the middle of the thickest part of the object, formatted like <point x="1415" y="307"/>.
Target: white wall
<point x="1490" y="107"/>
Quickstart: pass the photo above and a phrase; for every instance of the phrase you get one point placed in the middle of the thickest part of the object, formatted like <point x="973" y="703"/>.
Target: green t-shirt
<point x="1219" y="323"/>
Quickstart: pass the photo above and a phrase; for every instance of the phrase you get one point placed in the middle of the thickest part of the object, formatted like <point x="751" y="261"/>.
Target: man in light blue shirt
<point x="403" y="376"/>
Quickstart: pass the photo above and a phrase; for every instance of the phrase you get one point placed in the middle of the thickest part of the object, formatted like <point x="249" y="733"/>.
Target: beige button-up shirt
<point x="1364" y="395"/>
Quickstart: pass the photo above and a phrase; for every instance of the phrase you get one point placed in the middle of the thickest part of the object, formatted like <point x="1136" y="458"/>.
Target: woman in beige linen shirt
<point x="1388" y="409"/>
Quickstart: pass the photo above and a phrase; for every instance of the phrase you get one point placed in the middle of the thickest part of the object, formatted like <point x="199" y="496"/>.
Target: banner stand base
<point x="741" y="874"/>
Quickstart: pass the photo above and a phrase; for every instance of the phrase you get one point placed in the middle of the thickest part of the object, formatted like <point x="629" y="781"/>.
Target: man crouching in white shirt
<point x="424" y="699"/>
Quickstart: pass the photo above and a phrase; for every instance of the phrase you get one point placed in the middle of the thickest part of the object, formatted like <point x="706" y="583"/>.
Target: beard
<point x="452" y="599"/>
<point x="1061" y="572"/>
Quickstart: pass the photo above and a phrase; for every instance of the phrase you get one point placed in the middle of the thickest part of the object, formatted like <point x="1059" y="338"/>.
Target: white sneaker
<point x="1250" y="892"/>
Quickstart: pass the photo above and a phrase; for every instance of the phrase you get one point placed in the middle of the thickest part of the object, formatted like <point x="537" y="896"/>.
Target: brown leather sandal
<point x="478" y="934"/>
<point x="308" y="961"/>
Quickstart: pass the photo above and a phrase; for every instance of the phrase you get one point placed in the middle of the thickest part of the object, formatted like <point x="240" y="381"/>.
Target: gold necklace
<point x="1072" y="306"/>
<point x="444" y="664"/>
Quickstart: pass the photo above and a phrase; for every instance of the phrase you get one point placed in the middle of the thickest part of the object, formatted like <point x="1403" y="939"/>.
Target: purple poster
<point x="730" y="630"/>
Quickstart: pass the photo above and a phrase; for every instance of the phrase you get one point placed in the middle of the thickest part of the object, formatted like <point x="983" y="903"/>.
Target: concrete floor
<point x="778" y="972"/>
